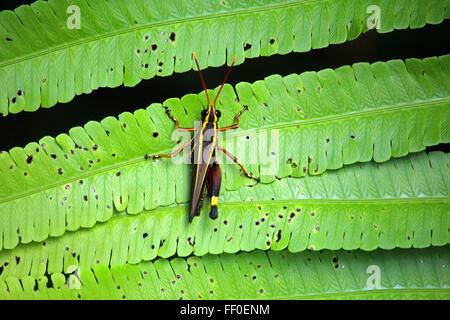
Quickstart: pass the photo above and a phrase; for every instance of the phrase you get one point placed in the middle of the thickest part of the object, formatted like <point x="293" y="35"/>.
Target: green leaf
<point x="329" y="118"/>
<point x="402" y="203"/>
<point x="402" y="274"/>
<point x="43" y="62"/>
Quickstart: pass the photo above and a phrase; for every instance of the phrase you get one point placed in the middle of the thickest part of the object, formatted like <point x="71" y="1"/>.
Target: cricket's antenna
<point x="224" y="80"/>
<point x="201" y="77"/>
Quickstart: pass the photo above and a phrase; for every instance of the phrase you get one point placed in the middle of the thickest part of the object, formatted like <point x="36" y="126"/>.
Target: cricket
<point x="206" y="171"/>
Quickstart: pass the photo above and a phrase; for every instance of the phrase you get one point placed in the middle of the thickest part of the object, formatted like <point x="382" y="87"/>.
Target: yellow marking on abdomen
<point x="214" y="200"/>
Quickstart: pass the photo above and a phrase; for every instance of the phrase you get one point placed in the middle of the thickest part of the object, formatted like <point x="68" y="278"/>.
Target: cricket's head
<point x="211" y="114"/>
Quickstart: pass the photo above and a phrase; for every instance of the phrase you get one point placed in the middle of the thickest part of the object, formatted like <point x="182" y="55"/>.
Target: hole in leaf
<point x="335" y="262"/>
<point x="278" y="237"/>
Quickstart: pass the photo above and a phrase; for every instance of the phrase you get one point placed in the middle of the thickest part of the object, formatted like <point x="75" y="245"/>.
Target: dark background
<point x="19" y="129"/>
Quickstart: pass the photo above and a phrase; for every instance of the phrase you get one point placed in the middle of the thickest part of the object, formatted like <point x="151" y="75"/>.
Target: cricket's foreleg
<point x="176" y="121"/>
<point x="214" y="188"/>
<point x="236" y="125"/>
<point x="238" y="163"/>
<point x="156" y="156"/>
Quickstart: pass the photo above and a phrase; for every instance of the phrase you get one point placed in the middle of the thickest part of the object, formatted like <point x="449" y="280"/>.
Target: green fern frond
<point x="402" y="203"/>
<point x="43" y="62"/>
<point x="330" y="118"/>
<point x="402" y="274"/>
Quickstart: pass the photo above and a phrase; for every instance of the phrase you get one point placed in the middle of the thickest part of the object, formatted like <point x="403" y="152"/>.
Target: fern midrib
<point x="366" y="292"/>
<point x="355" y="293"/>
<point x="182" y="208"/>
<point x="299" y="123"/>
<point x="158" y="24"/>
<point x="362" y="113"/>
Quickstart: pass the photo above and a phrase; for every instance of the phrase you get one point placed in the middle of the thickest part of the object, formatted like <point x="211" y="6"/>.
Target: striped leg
<point x="234" y="126"/>
<point x="156" y="156"/>
<point x="239" y="164"/>
<point x="176" y="121"/>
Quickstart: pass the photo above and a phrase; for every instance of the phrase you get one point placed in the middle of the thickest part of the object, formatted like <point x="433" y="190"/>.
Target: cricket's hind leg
<point x="239" y="164"/>
<point x="215" y="179"/>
